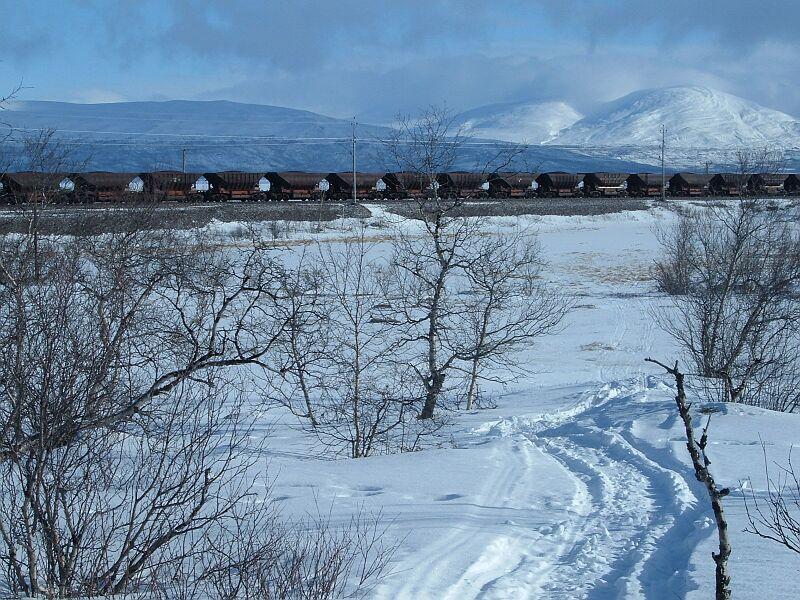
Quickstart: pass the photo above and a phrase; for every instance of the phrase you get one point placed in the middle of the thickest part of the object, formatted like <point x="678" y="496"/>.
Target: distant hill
<point x="695" y="117"/>
<point x="702" y="126"/>
<point x="221" y="135"/>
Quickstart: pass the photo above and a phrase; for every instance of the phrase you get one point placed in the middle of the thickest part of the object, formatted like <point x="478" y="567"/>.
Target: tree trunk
<point x="700" y="462"/>
<point x="723" y="577"/>
<point x="473" y="384"/>
<point x="432" y="395"/>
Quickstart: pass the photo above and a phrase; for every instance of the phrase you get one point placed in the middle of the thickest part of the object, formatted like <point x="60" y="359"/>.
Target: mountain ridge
<point x="702" y="125"/>
<point x="695" y="117"/>
<point x="225" y="135"/>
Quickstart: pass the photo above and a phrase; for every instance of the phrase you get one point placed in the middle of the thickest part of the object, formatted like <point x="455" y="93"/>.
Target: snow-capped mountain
<point x="521" y="122"/>
<point x="695" y="118"/>
<point x="221" y="135"/>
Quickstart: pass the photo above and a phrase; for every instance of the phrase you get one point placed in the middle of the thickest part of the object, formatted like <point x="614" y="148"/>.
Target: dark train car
<point x="237" y="185"/>
<point x="366" y="185"/>
<point x="605" y="185"/>
<point x="27" y="186"/>
<point x="103" y="186"/>
<point x="171" y="185"/>
<point x="689" y="185"/>
<point x="10" y="189"/>
<point x="555" y="185"/>
<point x="405" y="184"/>
<point x="338" y="188"/>
<point x="792" y="184"/>
<point x="774" y="184"/>
<point x="728" y="184"/>
<point x="295" y="185"/>
<point x="643" y="185"/>
<point x="767" y="184"/>
<point x="461" y="184"/>
<point x="512" y="185"/>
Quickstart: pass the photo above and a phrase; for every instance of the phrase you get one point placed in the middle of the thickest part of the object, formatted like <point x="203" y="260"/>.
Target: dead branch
<point x="701" y="462"/>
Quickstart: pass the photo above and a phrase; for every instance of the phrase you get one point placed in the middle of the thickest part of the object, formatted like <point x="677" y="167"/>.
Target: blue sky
<point x="375" y="58"/>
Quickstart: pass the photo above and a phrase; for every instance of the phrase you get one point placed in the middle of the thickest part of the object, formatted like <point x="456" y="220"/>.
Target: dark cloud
<point x="376" y="57"/>
<point x="297" y="35"/>
<point x="734" y="23"/>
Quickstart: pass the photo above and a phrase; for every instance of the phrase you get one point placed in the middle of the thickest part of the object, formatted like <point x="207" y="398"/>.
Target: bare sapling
<point x="507" y="305"/>
<point x="776" y="517"/>
<point x="423" y="267"/>
<point x="701" y="462"/>
<point x="367" y="400"/>
<point x="302" y="347"/>
<point x="263" y="557"/>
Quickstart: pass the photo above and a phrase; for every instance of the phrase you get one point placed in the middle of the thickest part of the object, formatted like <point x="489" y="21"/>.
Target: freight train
<point x="227" y="186"/>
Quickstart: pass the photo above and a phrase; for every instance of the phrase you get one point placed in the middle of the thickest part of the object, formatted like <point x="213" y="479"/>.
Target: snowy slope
<point x="578" y="484"/>
<point x="522" y="122"/>
<point x="695" y="117"/>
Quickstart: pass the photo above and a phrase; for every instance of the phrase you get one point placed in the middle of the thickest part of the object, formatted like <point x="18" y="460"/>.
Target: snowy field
<point x="578" y="483"/>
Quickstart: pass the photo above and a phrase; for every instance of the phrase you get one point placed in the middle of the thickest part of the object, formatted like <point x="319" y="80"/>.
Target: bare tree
<point x="701" y="462"/>
<point x="367" y="400"/>
<point x="148" y="314"/>
<point x="4" y="100"/>
<point x="421" y="301"/>
<point x="97" y="515"/>
<point x="507" y="304"/>
<point x="732" y="274"/>
<point x="777" y="516"/>
<point x="48" y="160"/>
<point x="423" y="267"/>
<point x="426" y="146"/>
<point x="302" y="348"/>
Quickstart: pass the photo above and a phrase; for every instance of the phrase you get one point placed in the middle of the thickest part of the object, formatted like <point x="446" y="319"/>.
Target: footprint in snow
<point x="448" y="497"/>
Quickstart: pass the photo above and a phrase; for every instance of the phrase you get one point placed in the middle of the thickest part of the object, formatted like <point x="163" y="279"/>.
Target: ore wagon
<point x="296" y="185"/>
<point x="604" y="185"/>
<point x="728" y="184"/>
<point x="643" y="185"/>
<point x="512" y="185"/>
<point x="462" y="184"/>
<point x="689" y="185"/>
<point x="555" y="185"/>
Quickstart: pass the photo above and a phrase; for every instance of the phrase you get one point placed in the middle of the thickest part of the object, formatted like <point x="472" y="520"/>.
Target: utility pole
<point x="355" y="197"/>
<point x="663" y="173"/>
<point x="708" y="166"/>
<point x="183" y="160"/>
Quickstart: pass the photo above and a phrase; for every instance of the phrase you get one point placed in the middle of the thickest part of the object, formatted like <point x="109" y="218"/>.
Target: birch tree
<point x="507" y="305"/>
<point x="732" y="275"/>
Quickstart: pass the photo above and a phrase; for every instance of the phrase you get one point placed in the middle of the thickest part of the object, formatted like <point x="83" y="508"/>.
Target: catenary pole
<point x="355" y="198"/>
<point x="663" y="173"/>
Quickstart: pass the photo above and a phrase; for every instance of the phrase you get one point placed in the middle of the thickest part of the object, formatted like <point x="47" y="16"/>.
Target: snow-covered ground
<point x="578" y="484"/>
